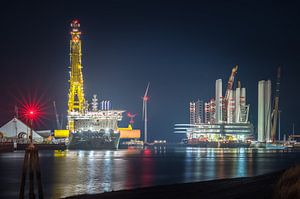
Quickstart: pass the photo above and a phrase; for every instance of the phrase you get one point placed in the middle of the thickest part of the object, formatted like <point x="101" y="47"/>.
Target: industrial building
<point x="16" y="129"/>
<point x="223" y="117"/>
<point x="196" y="112"/>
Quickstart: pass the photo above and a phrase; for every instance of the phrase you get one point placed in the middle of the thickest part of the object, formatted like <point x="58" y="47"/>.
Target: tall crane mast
<point x="56" y="116"/>
<point x="231" y="81"/>
<point x="276" y="105"/>
<point x="229" y="88"/>
<point x="77" y="103"/>
<point x="76" y="93"/>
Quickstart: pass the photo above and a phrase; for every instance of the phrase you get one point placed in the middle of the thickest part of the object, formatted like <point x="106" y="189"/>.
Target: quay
<point x="10" y="146"/>
<point x="272" y="185"/>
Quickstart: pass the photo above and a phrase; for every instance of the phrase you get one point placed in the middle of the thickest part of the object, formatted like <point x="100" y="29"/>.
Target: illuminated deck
<point x="96" y="120"/>
<point x="215" y="128"/>
<point x="212" y="131"/>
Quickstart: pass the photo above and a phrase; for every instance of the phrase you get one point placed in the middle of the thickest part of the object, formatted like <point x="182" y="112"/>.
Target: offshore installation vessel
<point x="223" y="121"/>
<point x="90" y="128"/>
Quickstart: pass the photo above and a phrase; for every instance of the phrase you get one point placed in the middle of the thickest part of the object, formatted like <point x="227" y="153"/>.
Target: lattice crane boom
<point x="231" y="81"/>
<point x="276" y="105"/>
<point x="77" y="102"/>
<point x="76" y="93"/>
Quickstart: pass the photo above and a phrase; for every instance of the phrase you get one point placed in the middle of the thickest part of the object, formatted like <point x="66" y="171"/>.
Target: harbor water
<point x="70" y="173"/>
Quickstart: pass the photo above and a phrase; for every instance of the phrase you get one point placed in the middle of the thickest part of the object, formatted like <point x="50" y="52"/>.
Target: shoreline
<point x="257" y="187"/>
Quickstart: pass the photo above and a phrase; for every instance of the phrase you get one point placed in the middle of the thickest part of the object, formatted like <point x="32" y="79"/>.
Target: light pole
<point x="31" y="162"/>
<point x="31" y="115"/>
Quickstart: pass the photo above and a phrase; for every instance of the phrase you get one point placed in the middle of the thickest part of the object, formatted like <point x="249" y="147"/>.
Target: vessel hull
<point x="89" y="140"/>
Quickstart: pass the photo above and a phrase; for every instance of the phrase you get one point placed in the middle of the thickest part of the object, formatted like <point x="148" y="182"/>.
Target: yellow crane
<point x="76" y="101"/>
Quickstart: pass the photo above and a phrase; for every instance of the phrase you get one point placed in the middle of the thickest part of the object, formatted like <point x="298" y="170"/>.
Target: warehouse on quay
<point x="16" y="129"/>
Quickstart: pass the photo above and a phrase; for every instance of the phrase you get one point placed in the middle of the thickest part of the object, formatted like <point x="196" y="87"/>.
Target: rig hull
<point x="94" y="140"/>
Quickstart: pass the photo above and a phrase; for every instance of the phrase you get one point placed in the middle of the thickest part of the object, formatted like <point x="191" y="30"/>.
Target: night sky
<point x="180" y="47"/>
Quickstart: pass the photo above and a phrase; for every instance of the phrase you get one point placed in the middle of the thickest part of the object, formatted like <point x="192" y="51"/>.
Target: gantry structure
<point x="76" y="103"/>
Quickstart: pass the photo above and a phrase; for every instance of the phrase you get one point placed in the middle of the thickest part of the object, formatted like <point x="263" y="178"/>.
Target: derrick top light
<point x="75" y="25"/>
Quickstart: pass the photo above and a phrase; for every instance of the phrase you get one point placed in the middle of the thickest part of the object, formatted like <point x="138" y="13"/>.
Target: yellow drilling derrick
<point x="76" y="101"/>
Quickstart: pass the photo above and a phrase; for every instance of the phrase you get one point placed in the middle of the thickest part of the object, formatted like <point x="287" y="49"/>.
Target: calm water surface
<point x="78" y="172"/>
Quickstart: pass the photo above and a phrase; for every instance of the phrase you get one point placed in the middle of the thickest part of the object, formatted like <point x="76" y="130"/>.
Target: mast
<point x="276" y="105"/>
<point x="230" y="82"/>
<point x="77" y="102"/>
<point x="228" y="91"/>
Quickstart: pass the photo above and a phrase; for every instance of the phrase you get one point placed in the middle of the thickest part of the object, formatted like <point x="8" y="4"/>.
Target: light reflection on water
<point x="78" y="172"/>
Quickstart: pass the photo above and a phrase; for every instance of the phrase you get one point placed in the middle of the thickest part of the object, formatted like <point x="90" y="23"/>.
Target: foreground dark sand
<point x="250" y="187"/>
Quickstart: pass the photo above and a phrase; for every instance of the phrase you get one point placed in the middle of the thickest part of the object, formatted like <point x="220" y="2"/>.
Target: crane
<point x="231" y="81"/>
<point x="229" y="88"/>
<point x="276" y="105"/>
<point x="56" y="116"/>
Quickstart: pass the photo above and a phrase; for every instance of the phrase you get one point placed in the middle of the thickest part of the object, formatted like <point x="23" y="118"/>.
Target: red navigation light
<point x="31" y="112"/>
<point x="145" y="98"/>
<point x="32" y="109"/>
<point x="75" y="23"/>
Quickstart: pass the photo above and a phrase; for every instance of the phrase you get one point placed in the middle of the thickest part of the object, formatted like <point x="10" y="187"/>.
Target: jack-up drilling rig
<point x="89" y="129"/>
